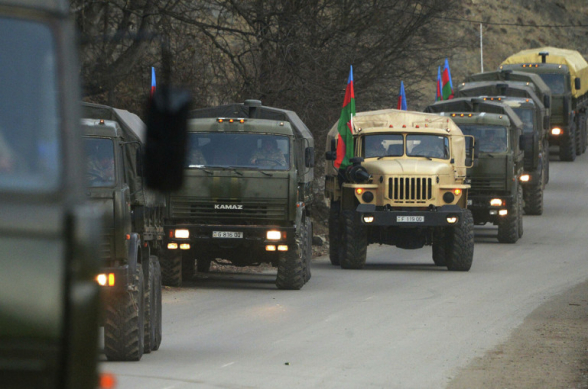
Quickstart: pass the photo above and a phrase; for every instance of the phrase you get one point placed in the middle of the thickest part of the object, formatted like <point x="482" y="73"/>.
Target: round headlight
<point x="368" y="197"/>
<point x="448" y="197"/>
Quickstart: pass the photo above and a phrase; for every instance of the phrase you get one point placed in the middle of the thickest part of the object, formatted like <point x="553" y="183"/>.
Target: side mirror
<point x="165" y="146"/>
<point x="577" y="83"/>
<point x="546" y="101"/>
<point x="332" y="155"/>
<point x="309" y="157"/>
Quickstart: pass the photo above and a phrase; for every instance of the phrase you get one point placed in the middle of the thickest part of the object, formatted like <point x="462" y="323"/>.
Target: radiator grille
<point x="419" y="189"/>
<point x="259" y="209"/>
<point x="487" y="184"/>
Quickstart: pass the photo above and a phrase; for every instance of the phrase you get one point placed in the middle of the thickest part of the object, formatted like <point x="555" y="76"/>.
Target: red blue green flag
<point x="439" y="96"/>
<point x="345" y="126"/>
<point x="447" y="89"/>
<point x="402" y="98"/>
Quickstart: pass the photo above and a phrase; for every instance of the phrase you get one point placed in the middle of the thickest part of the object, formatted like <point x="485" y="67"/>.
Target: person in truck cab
<point x="101" y="166"/>
<point x="268" y="152"/>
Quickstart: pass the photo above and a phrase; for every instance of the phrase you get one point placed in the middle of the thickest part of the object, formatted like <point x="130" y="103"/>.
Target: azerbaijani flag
<point x="447" y="90"/>
<point x="439" y="96"/>
<point x="345" y="126"/>
<point x="402" y="98"/>
<point x="152" y="81"/>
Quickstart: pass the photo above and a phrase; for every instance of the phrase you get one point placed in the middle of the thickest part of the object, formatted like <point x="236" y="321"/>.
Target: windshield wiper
<point x="234" y="169"/>
<point x="261" y="171"/>
<point x="200" y="167"/>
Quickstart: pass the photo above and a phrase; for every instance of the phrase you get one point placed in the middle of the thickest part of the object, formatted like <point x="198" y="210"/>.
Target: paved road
<point x="399" y="323"/>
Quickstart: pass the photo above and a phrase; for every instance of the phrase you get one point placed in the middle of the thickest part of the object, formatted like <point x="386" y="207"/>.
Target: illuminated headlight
<point x="105" y="279"/>
<point x="451" y="219"/>
<point x="503" y="212"/>
<point x="496" y="202"/>
<point x="368" y="219"/>
<point x="273" y="235"/>
<point x="282" y="247"/>
<point x="172" y="246"/>
<point x="525" y="178"/>
<point x="270" y="247"/>
<point x="556" y="131"/>
<point x="184" y="246"/>
<point x="182" y="234"/>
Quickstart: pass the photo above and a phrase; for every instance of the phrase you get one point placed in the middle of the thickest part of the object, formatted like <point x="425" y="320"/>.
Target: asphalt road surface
<point x="399" y="323"/>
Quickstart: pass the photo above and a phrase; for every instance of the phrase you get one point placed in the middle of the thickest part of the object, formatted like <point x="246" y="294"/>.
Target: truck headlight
<point x="496" y="202"/>
<point x="525" y="177"/>
<point x="182" y="234"/>
<point x="503" y="212"/>
<point x="556" y="131"/>
<point x="273" y="235"/>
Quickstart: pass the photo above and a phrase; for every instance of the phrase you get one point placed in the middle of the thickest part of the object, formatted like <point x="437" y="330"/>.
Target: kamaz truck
<point x="247" y="194"/>
<point x="496" y="195"/>
<point x="406" y="187"/>
<point x="566" y="74"/>
<point x="531" y="111"/>
<point x="132" y="237"/>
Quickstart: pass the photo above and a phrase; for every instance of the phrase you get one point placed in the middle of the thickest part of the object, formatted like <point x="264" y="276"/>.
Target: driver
<point x="269" y="152"/>
<point x="101" y="167"/>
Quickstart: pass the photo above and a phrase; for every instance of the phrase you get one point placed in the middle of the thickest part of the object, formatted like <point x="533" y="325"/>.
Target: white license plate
<point x="410" y="219"/>
<point x="470" y="202"/>
<point x="227" y="234"/>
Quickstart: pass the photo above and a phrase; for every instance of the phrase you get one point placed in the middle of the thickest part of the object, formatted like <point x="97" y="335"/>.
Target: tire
<point x="124" y="327"/>
<point x="546" y="165"/>
<point x="460" y="244"/>
<point x="203" y="263"/>
<point x="334" y="233"/>
<point x="149" y="301"/>
<point x="353" y="247"/>
<point x="291" y="267"/>
<point x="567" y="147"/>
<point x="439" y="247"/>
<point x="171" y="268"/>
<point x="308" y="248"/>
<point x="520" y="211"/>
<point x="533" y="195"/>
<point x="579" y="139"/>
<point x="158" y="313"/>
<point x="508" y="227"/>
<point x="188" y="266"/>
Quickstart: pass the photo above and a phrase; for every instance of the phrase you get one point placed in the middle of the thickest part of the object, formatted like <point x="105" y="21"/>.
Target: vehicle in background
<point x="132" y="236"/>
<point x="496" y="195"/>
<point x="534" y="116"/>
<point x="406" y="188"/>
<point x="566" y="74"/>
<point x="247" y="194"/>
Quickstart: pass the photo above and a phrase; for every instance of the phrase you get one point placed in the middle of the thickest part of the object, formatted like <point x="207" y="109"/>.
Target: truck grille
<point x="107" y="245"/>
<point x="211" y="211"/>
<point x="419" y="189"/>
<point x="487" y="184"/>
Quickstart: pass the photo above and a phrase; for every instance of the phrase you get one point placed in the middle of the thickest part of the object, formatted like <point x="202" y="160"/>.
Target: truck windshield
<point x="432" y="146"/>
<point x="493" y="139"/>
<point x="526" y="115"/>
<point x="231" y="150"/>
<point x="385" y="145"/>
<point x="100" y="170"/>
<point x="555" y="82"/>
<point x="29" y="111"/>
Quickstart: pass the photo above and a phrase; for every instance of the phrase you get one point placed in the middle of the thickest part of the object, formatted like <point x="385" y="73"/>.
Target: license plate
<point x="410" y="219"/>
<point x="227" y="234"/>
<point x="470" y="202"/>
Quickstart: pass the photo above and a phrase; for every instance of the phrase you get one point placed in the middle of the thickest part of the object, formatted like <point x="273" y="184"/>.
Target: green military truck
<point x="532" y="112"/>
<point x="246" y="197"/>
<point x="133" y="231"/>
<point x="48" y="233"/>
<point x="566" y="74"/>
<point x="406" y="188"/>
<point x="496" y="195"/>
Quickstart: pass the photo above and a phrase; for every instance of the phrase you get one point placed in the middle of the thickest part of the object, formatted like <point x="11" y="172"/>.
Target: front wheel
<point x="460" y="244"/>
<point x="291" y="267"/>
<point x="171" y="268"/>
<point x="509" y="226"/>
<point x="533" y="195"/>
<point x="353" y="247"/>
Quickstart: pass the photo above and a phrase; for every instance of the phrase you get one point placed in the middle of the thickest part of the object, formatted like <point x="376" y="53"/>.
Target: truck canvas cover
<point x="573" y="59"/>
<point x="386" y="117"/>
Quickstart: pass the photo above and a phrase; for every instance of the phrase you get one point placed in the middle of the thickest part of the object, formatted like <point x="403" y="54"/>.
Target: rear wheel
<point x="171" y="268"/>
<point x="353" y="245"/>
<point x="124" y="327"/>
<point x="567" y="146"/>
<point x="334" y="233"/>
<point x="460" y="244"/>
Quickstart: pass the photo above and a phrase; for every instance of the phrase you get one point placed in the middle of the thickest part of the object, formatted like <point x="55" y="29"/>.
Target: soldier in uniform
<point x="269" y="152"/>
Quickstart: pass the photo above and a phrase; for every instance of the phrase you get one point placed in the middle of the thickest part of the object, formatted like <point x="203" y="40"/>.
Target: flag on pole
<point x="402" y="97"/>
<point x="447" y="88"/>
<point x="345" y="126"/>
<point x="439" y="96"/>
<point x="152" y="81"/>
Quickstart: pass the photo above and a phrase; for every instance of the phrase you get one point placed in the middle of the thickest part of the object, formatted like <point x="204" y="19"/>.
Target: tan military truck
<point x="407" y="188"/>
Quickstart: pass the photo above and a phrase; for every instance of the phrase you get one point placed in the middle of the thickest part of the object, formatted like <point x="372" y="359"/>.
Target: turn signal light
<point x="457" y="192"/>
<point x="359" y="191"/>
<point x="105" y="279"/>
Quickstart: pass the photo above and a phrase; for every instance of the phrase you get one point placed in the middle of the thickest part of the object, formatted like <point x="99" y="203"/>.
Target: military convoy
<point x="566" y="73"/>
<point x="132" y="235"/>
<point x="247" y="194"/>
<point x="407" y="188"/>
<point x="496" y="195"/>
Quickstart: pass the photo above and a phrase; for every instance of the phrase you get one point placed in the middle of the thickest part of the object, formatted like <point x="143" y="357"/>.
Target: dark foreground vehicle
<point x="246" y="196"/>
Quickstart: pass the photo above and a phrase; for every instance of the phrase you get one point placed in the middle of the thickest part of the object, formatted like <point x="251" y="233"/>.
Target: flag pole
<point x="481" y="51"/>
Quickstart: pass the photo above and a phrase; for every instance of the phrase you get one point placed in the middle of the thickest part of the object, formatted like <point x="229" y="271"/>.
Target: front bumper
<point x="434" y="217"/>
